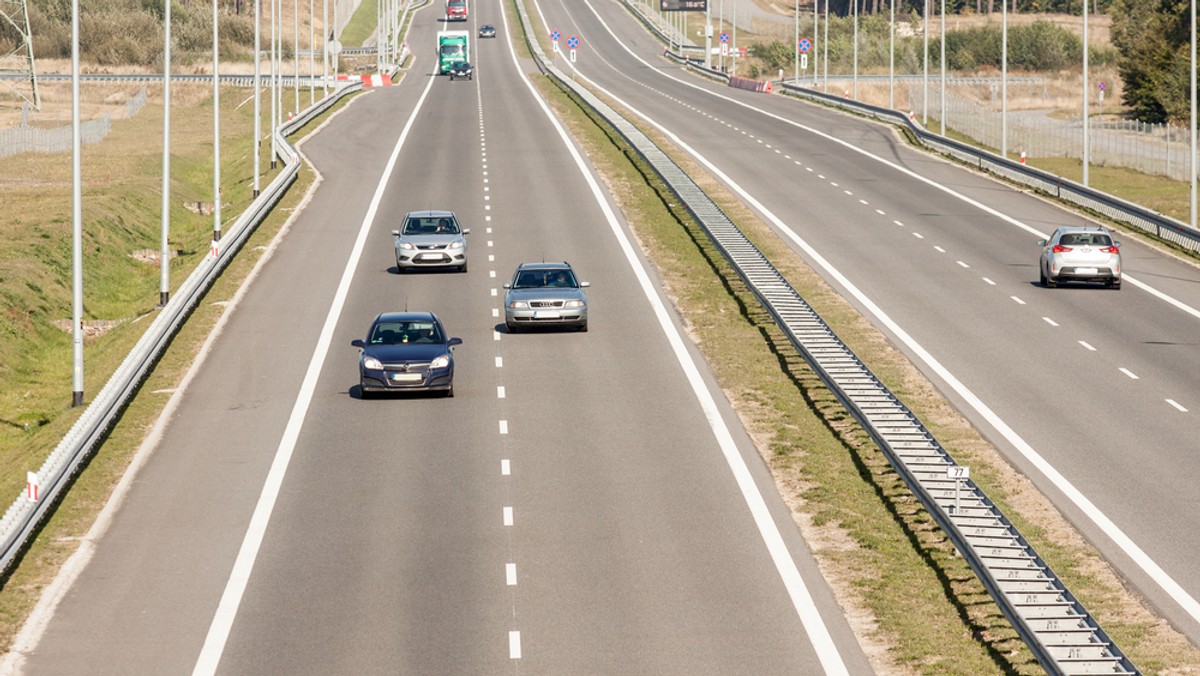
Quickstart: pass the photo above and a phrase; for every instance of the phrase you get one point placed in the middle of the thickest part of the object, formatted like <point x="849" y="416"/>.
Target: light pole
<point x="274" y="99"/>
<point x="1004" y="78"/>
<point x="942" y="112"/>
<point x="257" y="91"/>
<point x="892" y="58"/>
<point x="796" y="47"/>
<point x="1086" y="150"/>
<point x="312" y="34"/>
<point x="216" y="129"/>
<point x="296" y="53"/>
<point x="76" y="219"/>
<point x="925" y="79"/>
<point x="325" y="48"/>
<point x="1193" y="114"/>
<point x="854" y="20"/>
<point x="164" y="256"/>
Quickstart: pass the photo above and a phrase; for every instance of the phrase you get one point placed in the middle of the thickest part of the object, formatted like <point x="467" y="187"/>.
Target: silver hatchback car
<point x="431" y="239"/>
<point x="545" y="294"/>
<point x="1080" y="254"/>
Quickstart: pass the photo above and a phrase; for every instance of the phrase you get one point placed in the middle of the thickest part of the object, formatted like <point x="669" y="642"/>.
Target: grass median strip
<point x="914" y="602"/>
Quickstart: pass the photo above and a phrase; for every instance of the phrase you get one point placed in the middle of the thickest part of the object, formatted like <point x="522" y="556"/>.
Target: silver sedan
<point x="431" y="239"/>
<point x="545" y="294"/>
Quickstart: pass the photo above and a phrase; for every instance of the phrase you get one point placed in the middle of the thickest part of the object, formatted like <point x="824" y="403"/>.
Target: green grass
<point x="37" y="359"/>
<point x="880" y="550"/>
<point x="362" y="24"/>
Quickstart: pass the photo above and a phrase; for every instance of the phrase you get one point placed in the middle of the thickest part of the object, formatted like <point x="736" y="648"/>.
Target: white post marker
<point x="960" y="474"/>
<point x="31" y="486"/>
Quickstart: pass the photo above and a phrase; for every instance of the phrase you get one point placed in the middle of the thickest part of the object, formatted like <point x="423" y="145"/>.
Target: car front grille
<point x="545" y="303"/>
<point x="431" y="247"/>
<point x="407" y="366"/>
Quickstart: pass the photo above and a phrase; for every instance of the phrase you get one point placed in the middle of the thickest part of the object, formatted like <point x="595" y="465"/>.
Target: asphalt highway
<point x="1090" y="392"/>
<point x="586" y="503"/>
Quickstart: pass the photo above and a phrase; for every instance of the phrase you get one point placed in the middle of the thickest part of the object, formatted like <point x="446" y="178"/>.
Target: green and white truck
<point x="452" y="47"/>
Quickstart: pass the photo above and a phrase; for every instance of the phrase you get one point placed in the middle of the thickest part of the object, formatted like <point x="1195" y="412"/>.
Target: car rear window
<point x="1086" y="239"/>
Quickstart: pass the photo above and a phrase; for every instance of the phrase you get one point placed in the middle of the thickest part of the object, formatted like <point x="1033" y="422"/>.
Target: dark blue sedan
<point x="406" y="352"/>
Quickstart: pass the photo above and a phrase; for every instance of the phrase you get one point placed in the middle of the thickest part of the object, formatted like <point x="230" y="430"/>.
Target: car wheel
<point x="1050" y="283"/>
<point x="462" y="268"/>
<point x="1042" y="275"/>
<point x="449" y="392"/>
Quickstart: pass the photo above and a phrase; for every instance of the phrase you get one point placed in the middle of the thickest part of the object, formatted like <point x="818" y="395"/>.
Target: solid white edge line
<point x="239" y="577"/>
<point x="1186" y="601"/>
<point x="30" y="634"/>
<point x="802" y="601"/>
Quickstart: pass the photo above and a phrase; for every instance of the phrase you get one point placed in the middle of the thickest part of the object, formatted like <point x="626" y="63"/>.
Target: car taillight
<point x="1058" y="248"/>
<point x="1111" y="250"/>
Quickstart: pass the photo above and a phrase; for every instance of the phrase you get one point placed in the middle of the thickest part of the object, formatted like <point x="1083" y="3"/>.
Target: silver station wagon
<point x="545" y="294"/>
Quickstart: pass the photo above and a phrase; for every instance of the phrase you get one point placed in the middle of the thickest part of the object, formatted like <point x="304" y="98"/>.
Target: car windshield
<point x="452" y="50"/>
<point x="397" y="333"/>
<point x="1086" y="239"/>
<point x="536" y="279"/>
<point x="431" y="226"/>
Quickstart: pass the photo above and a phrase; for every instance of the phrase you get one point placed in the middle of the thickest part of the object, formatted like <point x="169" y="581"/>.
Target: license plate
<point x="1085" y="271"/>
<point x="544" y="314"/>
<point x="407" y="377"/>
<point x="430" y="257"/>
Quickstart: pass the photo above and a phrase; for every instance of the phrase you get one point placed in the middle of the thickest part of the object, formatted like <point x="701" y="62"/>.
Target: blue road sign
<point x="805" y="45"/>
<point x="572" y="42"/>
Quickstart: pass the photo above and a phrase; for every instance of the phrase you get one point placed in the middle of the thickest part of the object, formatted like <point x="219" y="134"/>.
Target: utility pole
<point x="164" y="259"/>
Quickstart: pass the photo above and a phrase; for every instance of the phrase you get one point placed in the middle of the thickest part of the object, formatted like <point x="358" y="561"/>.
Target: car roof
<point x="544" y="266"/>
<point x="406" y="317"/>
<point x="430" y="213"/>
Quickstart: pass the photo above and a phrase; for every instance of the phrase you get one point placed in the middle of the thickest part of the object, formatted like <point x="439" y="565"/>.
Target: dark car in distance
<point x="406" y="352"/>
<point x="462" y="69"/>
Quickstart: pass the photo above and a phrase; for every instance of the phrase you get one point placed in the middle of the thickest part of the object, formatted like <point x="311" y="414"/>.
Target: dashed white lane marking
<point x="1086" y="346"/>
<point x="514" y="645"/>
<point x="1018" y="300"/>
<point x="491" y="243"/>
<point x="499" y="391"/>
<point x="503" y="427"/>
<point x="492" y="274"/>
<point x="808" y="168"/>
<point x="491" y="258"/>
<point x="495" y="333"/>
<point x="898" y="223"/>
<point x="939" y="249"/>
<point x="918" y="235"/>
<point x="990" y="282"/>
<point x="962" y="264"/>
<point x="508" y="516"/>
<point x="510" y="574"/>
<point x="489" y="220"/>
<point x="1049" y="321"/>
<point x="1174" y="403"/>
<point x="496" y="313"/>
<point x="821" y="176"/>
<point x="880" y="212"/>
<point x="499" y="362"/>
<point x="1129" y="373"/>
<point x="495" y="293"/>
<point x="505" y="467"/>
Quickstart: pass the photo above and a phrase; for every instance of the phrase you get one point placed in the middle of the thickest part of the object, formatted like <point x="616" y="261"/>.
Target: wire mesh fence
<point x="26" y="139"/>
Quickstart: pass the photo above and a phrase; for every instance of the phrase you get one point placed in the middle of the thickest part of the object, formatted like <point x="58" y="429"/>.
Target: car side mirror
<point x="395" y="233"/>
<point x="357" y="343"/>
<point x="585" y="284"/>
<point x="454" y="341"/>
<point x="1041" y="242"/>
<point x="1117" y="244"/>
<point x="508" y="285"/>
<point x="466" y="231"/>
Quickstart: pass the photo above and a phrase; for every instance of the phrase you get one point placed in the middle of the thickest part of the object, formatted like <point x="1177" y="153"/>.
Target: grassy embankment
<point x="121" y="210"/>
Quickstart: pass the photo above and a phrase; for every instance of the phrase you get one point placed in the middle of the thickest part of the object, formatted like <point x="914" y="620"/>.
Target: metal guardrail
<point x="1115" y="208"/>
<point x="1059" y="631"/>
<point x="23" y="517"/>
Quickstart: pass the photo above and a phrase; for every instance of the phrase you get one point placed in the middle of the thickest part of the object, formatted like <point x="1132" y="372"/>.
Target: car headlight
<point x="440" y="362"/>
<point x="518" y="305"/>
<point x="372" y="364"/>
<point x="574" y="303"/>
<point x="407" y="246"/>
<point x="457" y="244"/>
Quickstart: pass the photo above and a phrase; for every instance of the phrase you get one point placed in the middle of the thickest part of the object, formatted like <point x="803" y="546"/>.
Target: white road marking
<point x="495" y="333"/>
<point x="492" y="274"/>
<point x="510" y="574"/>
<point x="1089" y="347"/>
<point x="1106" y="525"/>
<point x="918" y="235"/>
<point x="898" y="223"/>
<point x="1129" y="373"/>
<point x="494" y="293"/>
<point x="496" y="313"/>
<point x="505" y="467"/>
<point x="508" y="516"/>
<point x="503" y="427"/>
<point x="490" y="242"/>
<point x="1049" y="321"/>
<point x="243" y="566"/>
<point x="514" y="645"/>
<point x="990" y="282"/>
<point x="880" y="212"/>
<point x="802" y="601"/>
<point x="491" y="258"/>
<point x="1177" y="406"/>
<point x="962" y="264"/>
<point x="499" y="391"/>
<point x="1018" y="300"/>
<point x="499" y="362"/>
<point x="939" y="249"/>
